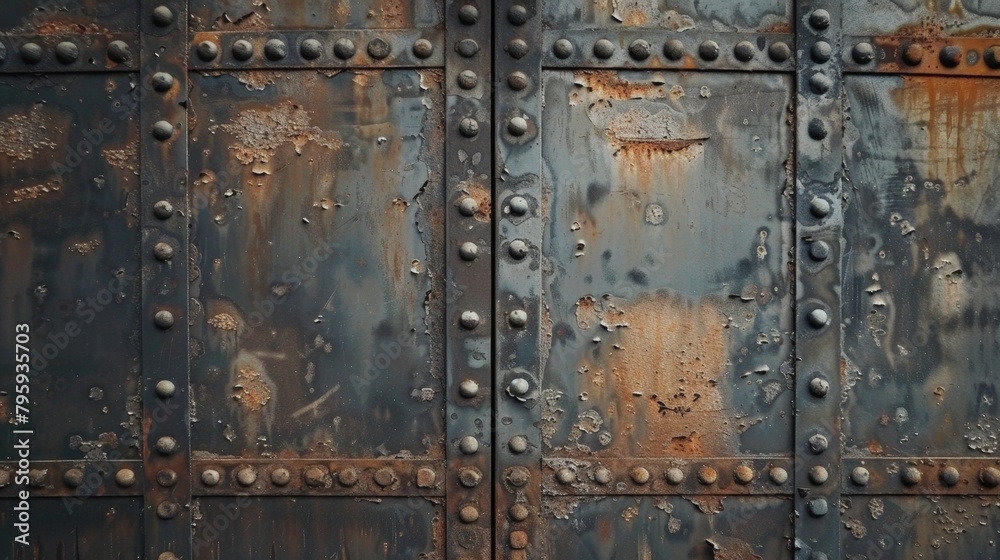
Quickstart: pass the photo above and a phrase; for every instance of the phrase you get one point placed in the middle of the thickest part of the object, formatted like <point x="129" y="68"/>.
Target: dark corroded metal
<point x="922" y="54"/>
<point x="63" y="49"/>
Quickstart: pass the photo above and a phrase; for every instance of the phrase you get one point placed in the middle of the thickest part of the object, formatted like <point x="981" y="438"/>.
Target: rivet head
<point x="674" y="476"/>
<point x="744" y="51"/>
<point x="779" y="52"/>
<point x="818" y="318"/>
<point x="166" y="477"/>
<point x="246" y="476"/>
<point x="819" y="207"/>
<point x="562" y="48"/>
<point x="518" y="387"/>
<point x="311" y="49"/>
<point x="378" y="48"/>
<point x="639" y="475"/>
<point x="467" y="48"/>
<point x="863" y="53"/>
<point x="708" y="50"/>
<point x="210" y="477"/>
<point x="819" y="387"/>
<point x="385" y="477"/>
<point x="817" y="129"/>
<point x="165" y="389"/>
<point x="242" y="49"/>
<point x="820" y="83"/>
<point x="162" y="81"/>
<point x="163" y="319"/>
<point x="818" y="475"/>
<point x="743" y="474"/>
<point x="426" y="477"/>
<point x="518" y="476"/>
<point x="860" y="476"/>
<point x="673" y="49"/>
<point x="468" y="251"/>
<point x="125" y="477"/>
<point x="517" y="318"/>
<point x="468" y="14"/>
<point x="518" y="15"/>
<point x="517" y="48"/>
<point x="469" y="320"/>
<point x="517" y="126"/>
<point x="951" y="56"/>
<point x="167" y="510"/>
<point x="317" y="476"/>
<point x="818" y="443"/>
<point x="604" y="49"/>
<point x="639" y="49"/>
<point x="31" y="53"/>
<point x="67" y="52"/>
<point x="166" y="445"/>
<point x="470" y="477"/>
<point x="602" y="475"/>
<point x="819" y="19"/>
<point x="518" y="540"/>
<point x="344" y="48"/>
<point x="468" y="388"/>
<point x="778" y="475"/>
<point x="819" y="250"/>
<point x="468" y="206"/>
<point x="422" y="48"/>
<point x="467" y="79"/>
<point x="818" y="507"/>
<point x="949" y="476"/>
<point x="37" y="477"/>
<point x="163" y="209"/>
<point x="707" y="475"/>
<point x="281" y="476"/>
<point x="162" y="130"/>
<point x="348" y="476"/>
<point x="518" y="512"/>
<point x="517" y="444"/>
<point x="517" y="80"/>
<point x="73" y="478"/>
<point x="821" y="52"/>
<point x="518" y="205"/>
<point x="162" y="16"/>
<point x="468" y="127"/>
<point x="989" y="477"/>
<point x="207" y="51"/>
<point x="167" y="556"/>
<point x="913" y="54"/>
<point x="275" y="49"/>
<point x="163" y="251"/>
<point x="468" y="514"/>
<point x="468" y="445"/>
<point x="565" y="476"/>
<point x="991" y="57"/>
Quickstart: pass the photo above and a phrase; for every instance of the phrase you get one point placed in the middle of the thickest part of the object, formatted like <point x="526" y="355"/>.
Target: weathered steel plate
<point x="714" y="15"/>
<point x="97" y="528"/>
<point x="248" y="15"/>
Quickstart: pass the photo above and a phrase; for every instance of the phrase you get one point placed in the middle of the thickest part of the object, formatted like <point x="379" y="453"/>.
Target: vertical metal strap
<point x="162" y="92"/>
<point x="819" y="220"/>
<point x="518" y="212"/>
<point x="469" y="287"/>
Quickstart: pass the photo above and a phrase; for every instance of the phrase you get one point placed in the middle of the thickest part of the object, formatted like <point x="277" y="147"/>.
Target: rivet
<point x="639" y="49"/>
<point x="163" y="319"/>
<point x="207" y="51"/>
<point x="817" y="129"/>
<point x="743" y="474"/>
<point x="468" y="14"/>
<point x="242" y="49"/>
<point x="860" y="476"/>
<point x="913" y="54"/>
<point x="163" y="251"/>
<point x="165" y="388"/>
<point x="311" y="49"/>
<point x="517" y="444"/>
<point x="467" y="79"/>
<point x="818" y="443"/>
<point x="426" y="477"/>
<point x="518" y="476"/>
<point x="517" y="126"/>
<point x="819" y="207"/>
<point x="818" y="507"/>
<point x="744" y="51"/>
<point x="163" y="209"/>
<point x="949" y="476"/>
<point x="162" y="81"/>
<point x="166" y="477"/>
<point x="470" y="477"/>
<point x="819" y="19"/>
<point x="468" y="251"/>
<point x="818" y="475"/>
<point x="910" y="475"/>
<point x="708" y="50"/>
<point x="167" y="510"/>
<point x="863" y="53"/>
<point x="518" y="540"/>
<point x="378" y="48"/>
<point x="468" y="445"/>
<point x="73" y="478"/>
<point x="951" y="56"/>
<point x="991" y="57"/>
<point x="385" y="477"/>
<point x="518" y="205"/>
<point x="518" y="249"/>
<point x="167" y="556"/>
<point x="821" y="52"/>
<point x="517" y="80"/>
<point x="246" y="476"/>
<point x="468" y="388"/>
<point x="166" y="445"/>
<point x="778" y="475"/>
<point x="125" y="477"/>
<point x="468" y="514"/>
<point x="989" y="477"/>
<point x="707" y="475"/>
<point x="819" y="250"/>
<point x="565" y="476"/>
<point x="602" y="475"/>
<point x="469" y="320"/>
<point x="818" y="318"/>
<point x="820" y="83"/>
<point x="348" y="476"/>
<point x="517" y="318"/>
<point x="37" y="477"/>
<point x="468" y="127"/>
<point x="210" y="477"/>
<point x="162" y="130"/>
<point x="468" y="206"/>
<point x="422" y="48"/>
<point x="275" y="49"/>
<point x="281" y="476"/>
<point x="67" y="52"/>
<point x="162" y="16"/>
<point x="518" y="15"/>
<point x="517" y="48"/>
<point x="639" y="475"/>
<point x="674" y="476"/>
<point x="317" y="476"/>
<point x="818" y="386"/>
<point x="344" y="48"/>
<point x="604" y="49"/>
<point x="562" y="48"/>
<point x="518" y="387"/>
<point x="467" y="48"/>
<point x="518" y="512"/>
<point x="779" y="52"/>
<point x="31" y="53"/>
<point x="673" y="49"/>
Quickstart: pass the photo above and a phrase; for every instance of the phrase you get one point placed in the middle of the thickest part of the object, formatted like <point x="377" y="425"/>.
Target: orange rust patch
<point x="482" y="196"/>
<point x="729" y="548"/>
<point x="250" y="390"/>
<point x="610" y="85"/>
<point x="126" y="158"/>
<point x="23" y="136"/>
<point x="35" y="191"/>
<point x="224" y="321"/>
<point x="85" y="247"/>
<point x="875" y="448"/>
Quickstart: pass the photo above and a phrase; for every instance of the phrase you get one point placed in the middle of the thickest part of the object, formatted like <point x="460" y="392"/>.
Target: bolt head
<point x="819" y="251"/>
<point x="162" y="130"/>
<point x="165" y="389"/>
<point x="518" y="540"/>
<point x="951" y="56"/>
<point x="208" y="51"/>
<point x="518" y="476"/>
<point x="422" y="48"/>
<point x="468" y="388"/>
<point x="821" y="52"/>
<point x="819" y="387"/>
<point x="820" y="83"/>
<point x="639" y="49"/>
<point x="913" y="54"/>
<point x="468" y="127"/>
<point x="167" y="556"/>
<point x="385" y="477"/>
<point x="673" y="49"/>
<point x="275" y="49"/>
<point x="210" y="477"/>
<point x="167" y="510"/>
<point x="674" y="476"/>
<point x="708" y="50"/>
<point x="990" y="477"/>
<point x="31" y="53"/>
<point x="819" y="19"/>
<point x="378" y="48"/>
<point x="162" y="16"/>
<point x="779" y="52"/>
<point x="817" y="129"/>
<point x="467" y="79"/>
<point x="602" y="475"/>
<point x="246" y="476"/>
<point x="519" y="387"/>
<point x="518" y="512"/>
<point x="518" y="15"/>
<point x="468" y="206"/>
<point x="67" y="52"/>
<point x="166" y="477"/>
<point x="818" y="443"/>
<point x="344" y="49"/>
<point x="818" y="475"/>
<point x="317" y="476"/>
<point x="311" y="49"/>
<point x="863" y="53"/>
<point x="565" y="476"/>
<point x="469" y="320"/>
<point x="517" y="48"/>
<point x="517" y="80"/>
<point x="470" y="477"/>
<point x="949" y="476"/>
<point x="166" y="445"/>
<point x="468" y="251"/>
<point x="281" y="476"/>
<point x="468" y="445"/>
<point x="639" y="475"/>
<point x="125" y="477"/>
<point x="744" y="51"/>
<point x="162" y="81"/>
<point x="518" y="249"/>
<point x="468" y="514"/>
<point x="778" y="475"/>
<point x="163" y="319"/>
<point x="517" y="318"/>
<point x="426" y="477"/>
<point x="819" y="207"/>
<point x="562" y="48"/>
<point x="860" y="476"/>
<point x="518" y="444"/>
<point x="73" y="478"/>
<point x="348" y="476"/>
<point x="818" y="507"/>
<point x="991" y="57"/>
<point x="604" y="49"/>
<point x="518" y="205"/>
<point x="242" y="49"/>
<point x="468" y="14"/>
<point x="163" y="251"/>
<point x="517" y="126"/>
<point x="743" y="474"/>
<point x="910" y="475"/>
<point x="707" y="475"/>
<point x="467" y="48"/>
<point x="818" y="318"/>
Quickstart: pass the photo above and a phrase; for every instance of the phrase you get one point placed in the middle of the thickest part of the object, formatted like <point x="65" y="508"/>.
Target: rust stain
<point x="247" y="22"/>
<point x="610" y="85"/>
<point x="483" y="197"/>
<point x="224" y="321"/>
<point x="85" y="247"/>
<point x="35" y="191"/>
<point x="392" y="14"/>
<point x="709" y="505"/>
<point x="23" y="136"/>
<point x="730" y="548"/>
<point x="250" y="390"/>
<point x="126" y="158"/>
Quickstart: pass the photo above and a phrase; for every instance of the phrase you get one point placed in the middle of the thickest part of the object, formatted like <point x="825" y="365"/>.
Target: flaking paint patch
<point x="23" y="136"/>
<point x="254" y="393"/>
<point x="126" y="158"/>
<point x="35" y="191"/>
<point x="731" y="548"/>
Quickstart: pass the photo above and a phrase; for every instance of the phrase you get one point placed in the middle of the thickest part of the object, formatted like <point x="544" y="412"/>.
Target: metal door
<point x="459" y="279"/>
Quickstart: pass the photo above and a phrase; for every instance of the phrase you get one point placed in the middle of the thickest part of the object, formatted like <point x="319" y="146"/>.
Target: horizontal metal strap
<point x="945" y="56"/>
<point x="89" y="52"/>
<point x="79" y="479"/>
<point x="921" y="475"/>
